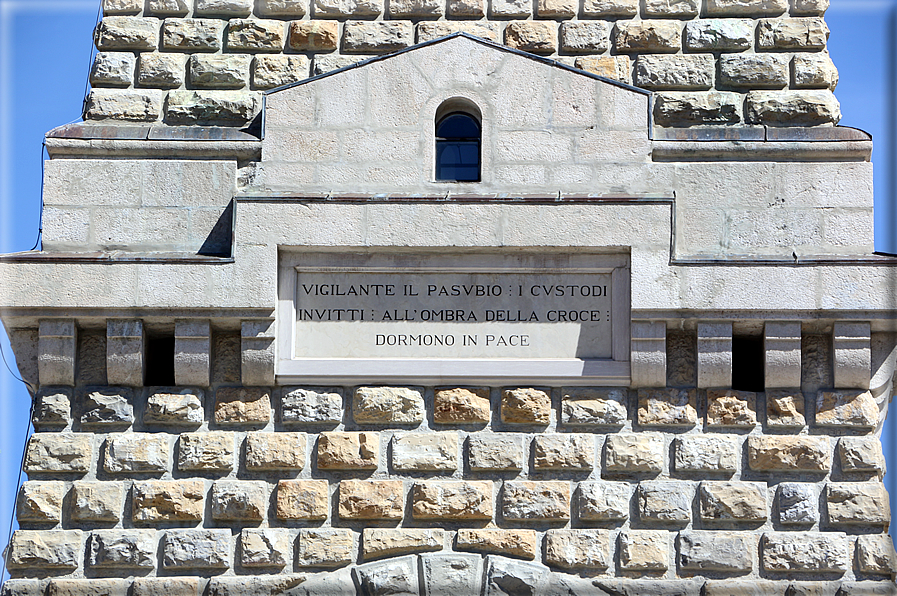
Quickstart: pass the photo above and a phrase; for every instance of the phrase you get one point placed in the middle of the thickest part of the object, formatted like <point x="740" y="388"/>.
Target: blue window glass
<point x="458" y="148"/>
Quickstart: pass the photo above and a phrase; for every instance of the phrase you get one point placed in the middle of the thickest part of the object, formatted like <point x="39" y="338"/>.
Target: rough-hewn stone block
<point x="348" y="451"/>
<point x="858" y="503"/>
<point x="428" y="31"/>
<point x="789" y="454"/>
<point x="107" y="407"/>
<point x="443" y="574"/>
<point x="548" y="9"/>
<point x="875" y="554"/>
<point x="58" y="453"/>
<point x="532" y="36"/>
<point x="603" y="501"/>
<point x="264" y="547"/>
<point x="754" y="71"/>
<point x="648" y="36"/>
<point x="281" y="8"/>
<point x="122" y="6"/>
<point x="388" y="405"/>
<point x="564" y="452"/>
<point x="452" y="500"/>
<point x="674" y="72"/>
<point x="797" y="503"/>
<point x="398" y="576"/>
<point x="40" y="502"/>
<point x="746" y="7"/>
<point x="525" y="406"/>
<point x="861" y="454"/>
<point x="274" y="71"/>
<point x="238" y="8"/>
<point x="97" y="501"/>
<point x="582" y="36"/>
<point x="814" y="71"/>
<point x="685" y="109"/>
<point x="371" y="499"/>
<point x="493" y="452"/>
<point x="636" y="452"/>
<point x="593" y="407"/>
<point x="154" y="586"/>
<point x="667" y="407"/>
<point x="415" y="9"/>
<point x="325" y="548"/>
<point x="417" y="452"/>
<point x="805" y="552"/>
<point x="136" y="453"/>
<point x="785" y="409"/>
<point x="219" y="71"/>
<point x="168" y="7"/>
<point x="165" y="71"/>
<point x="112" y="69"/>
<point x="716" y="551"/>
<point x="462" y="406"/>
<point x="610" y="8"/>
<point x="510" y="9"/>
<point x="732" y="35"/>
<point x="524" y="500"/>
<point x="52" y="407"/>
<point x="377" y="36"/>
<point x="644" y="550"/>
<point x="130" y="549"/>
<point x="239" y="501"/>
<point x="192" y="35"/>
<point x="792" y="34"/>
<point x="255" y="35"/>
<point x="206" y="452"/>
<point x="275" y="451"/>
<point x="211" y="107"/>
<point x="732" y="501"/>
<point x="263" y="585"/>
<point x="127" y="33"/>
<point x="176" y="407"/>
<point x="707" y="453"/>
<point x="729" y="408"/>
<point x="513" y="543"/>
<point x="346" y="8"/>
<point x="196" y="549"/>
<point x="792" y="108"/>
<point x="302" y="499"/>
<point x="45" y="549"/>
<point x="377" y="543"/>
<point x="88" y="587"/>
<point x="242" y="406"/>
<point x="305" y="405"/>
<point x="462" y="9"/>
<point x="846" y="408"/>
<point x="575" y="549"/>
<point x="665" y="502"/>
<point x="168" y="500"/>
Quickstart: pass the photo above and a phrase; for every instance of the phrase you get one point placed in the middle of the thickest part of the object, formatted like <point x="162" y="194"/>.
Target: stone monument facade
<point x="280" y="344"/>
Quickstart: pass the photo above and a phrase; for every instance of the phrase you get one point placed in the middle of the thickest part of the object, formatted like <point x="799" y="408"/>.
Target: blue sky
<point x="45" y="54"/>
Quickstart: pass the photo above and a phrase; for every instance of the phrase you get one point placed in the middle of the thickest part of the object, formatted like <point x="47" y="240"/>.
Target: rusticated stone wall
<point x="717" y="62"/>
<point x="230" y="489"/>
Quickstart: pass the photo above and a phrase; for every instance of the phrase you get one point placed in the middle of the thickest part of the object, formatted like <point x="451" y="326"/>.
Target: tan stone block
<point x="634" y="452"/>
<point x="168" y="500"/>
<point x="792" y="108"/>
<point x="525" y="406"/>
<point x="430" y="451"/>
<point x="785" y="409"/>
<point x="97" y="501"/>
<point x="754" y="71"/>
<point x="466" y="8"/>
<point x="564" y="452"/>
<point x="644" y="550"/>
<point x="452" y="500"/>
<point x="377" y="543"/>
<point x="58" y="452"/>
<point x="665" y="502"/>
<point x="429" y="31"/>
<point x="858" y="503"/>
<point x="302" y="499"/>
<point x="686" y="108"/>
<point x="513" y="543"/>
<point x="269" y="72"/>
<point x="532" y="36"/>
<point x="122" y="6"/>
<point x="523" y="500"/>
<point x="610" y="8"/>
<point x="805" y="551"/>
<point x="40" y="502"/>
<point x="556" y="8"/>
<point x="579" y="37"/>
<point x="499" y="451"/>
<point x="239" y="501"/>
<point x="275" y="451"/>
<point x="255" y="35"/>
<point x="727" y="407"/>
<point x="462" y="406"/>
<point x="168" y="7"/>
<point x="43" y="549"/>
<point x="242" y="405"/>
<point x="846" y="408"/>
<point x="377" y="36"/>
<point x="733" y="501"/>
<point x="281" y="8"/>
<point x="348" y="451"/>
<point x="127" y="33"/>
<point x="810" y="7"/>
<point x="707" y="453"/>
<point x="746" y="7"/>
<point x="415" y="8"/>
<point x="325" y="548"/>
<point x="371" y="499"/>
<point x="574" y="549"/>
<point x="264" y="547"/>
<point x="611" y="67"/>
<point x="792" y="34"/>
<point x="674" y="72"/>
<point x="584" y="406"/>
<point x="388" y="405"/>
<point x="206" y="451"/>
<point x="136" y="453"/>
<point x="875" y="554"/>
<point x="672" y="8"/>
<point x="168" y="586"/>
<point x="112" y="69"/>
<point x="667" y="407"/>
<point x="861" y="454"/>
<point x="814" y="71"/>
<point x="184" y="407"/>
<point x="789" y="454"/>
<point x="192" y="35"/>
<point x="648" y="36"/>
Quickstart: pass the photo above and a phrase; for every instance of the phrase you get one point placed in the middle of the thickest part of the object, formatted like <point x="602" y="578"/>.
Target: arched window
<point x="458" y="148"/>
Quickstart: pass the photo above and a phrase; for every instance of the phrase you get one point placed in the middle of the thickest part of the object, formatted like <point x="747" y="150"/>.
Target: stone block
<point x="23" y="587"/>
<point x="40" y="502"/>
<point x="211" y="107"/>
<point x="111" y="7"/>
<point x="218" y="71"/>
<point x="797" y="503"/>
<point x="584" y="406"/>
<point x="855" y="409"/>
<point x="789" y="454"/>
<point x="239" y="501"/>
<point x="506" y="577"/>
<point x="635" y="452"/>
<point x="461" y="406"/>
<point x="781" y="345"/>
<point x="58" y="453"/>
<point x="875" y="554"/>
<point x="125" y="347"/>
<point x="719" y="35"/>
<point x="577" y="549"/>
<point x="785" y="409"/>
<point x="754" y="71"/>
<point x="88" y="587"/>
<point x="314" y="406"/>
<point x="206" y="452"/>
<point x="325" y="548"/>
<point x="261" y="585"/>
<point x="858" y="503"/>
<point x="97" y="502"/>
<point x="127" y="33"/>
<point x="269" y="72"/>
<point x="714" y="352"/>
<point x="52" y="407"/>
<point x="648" y="360"/>
<point x="464" y="9"/>
<point x="564" y="452"/>
<point x="280" y="8"/>
<point x="168" y="7"/>
<point x="192" y="35"/>
<point x="112" y="69"/>
<point x="45" y="549"/>
<point x="513" y="543"/>
<point x="451" y="573"/>
<point x="378" y="543"/>
<point x="132" y="106"/>
<point x="510" y="9"/>
<point x="527" y="501"/>
<point x="346" y="8"/>
<point x="707" y="453"/>
<point x="395" y="576"/>
<point x="716" y="551"/>
<point x="377" y="36"/>
<point x="275" y="451"/>
<point x="156" y="586"/>
<point x="665" y="502"/>
<point x="648" y="36"/>
<point x="494" y="452"/>
<point x="249" y="406"/>
<point x="302" y="499"/>
<point x="196" y="549"/>
<point x="452" y="500"/>
<point x="192" y="337"/>
<point x="106" y="407"/>
<point x="255" y="35"/>
<point x="430" y="451"/>
<point x="128" y="549"/>
<point x="532" y="36"/>
<point x="644" y="550"/>
<point x="687" y="109"/>
<point x="237" y="8"/>
<point x="692" y="71"/>
<point x="861" y="454"/>
<point x="667" y="407"/>
<point x="732" y="502"/>
<point x="792" y="108"/>
<point x="672" y="8"/>
<point x="264" y="547"/>
<point x="415" y="9"/>
<point x="610" y="8"/>
<point x="348" y="451"/>
<point x="814" y="71"/>
<point x="173" y="406"/>
<point x="792" y="34"/>
<point x="725" y="8"/>
<point x="549" y="9"/>
<point x="525" y="406"/>
<point x="164" y="71"/>
<point x="805" y="552"/>
<point x="388" y="405"/>
<point x="56" y="346"/>
<point x="371" y="499"/>
<point x="428" y="31"/>
<point x="168" y="500"/>
<point x="603" y="501"/>
<point x="133" y="453"/>
<point x="730" y="408"/>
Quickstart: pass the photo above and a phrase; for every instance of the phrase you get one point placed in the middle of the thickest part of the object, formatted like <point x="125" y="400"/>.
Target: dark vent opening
<point x="159" y="361"/>
<point x="748" y="371"/>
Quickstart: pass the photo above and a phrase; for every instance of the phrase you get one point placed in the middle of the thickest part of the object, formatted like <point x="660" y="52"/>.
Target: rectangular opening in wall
<point x="159" y="361"/>
<point x="748" y="363"/>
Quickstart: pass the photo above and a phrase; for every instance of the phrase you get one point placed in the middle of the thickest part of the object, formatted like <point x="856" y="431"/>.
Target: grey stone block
<point x="107" y="407"/>
<point x="57" y="341"/>
<point x="192" y="351"/>
<point x="507" y="577"/>
<point x="385" y="578"/>
<point x="311" y="405"/>
<point x="451" y="574"/>
<point x="52" y="407"/>
<point x="131" y="549"/>
<point x="196" y="549"/>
